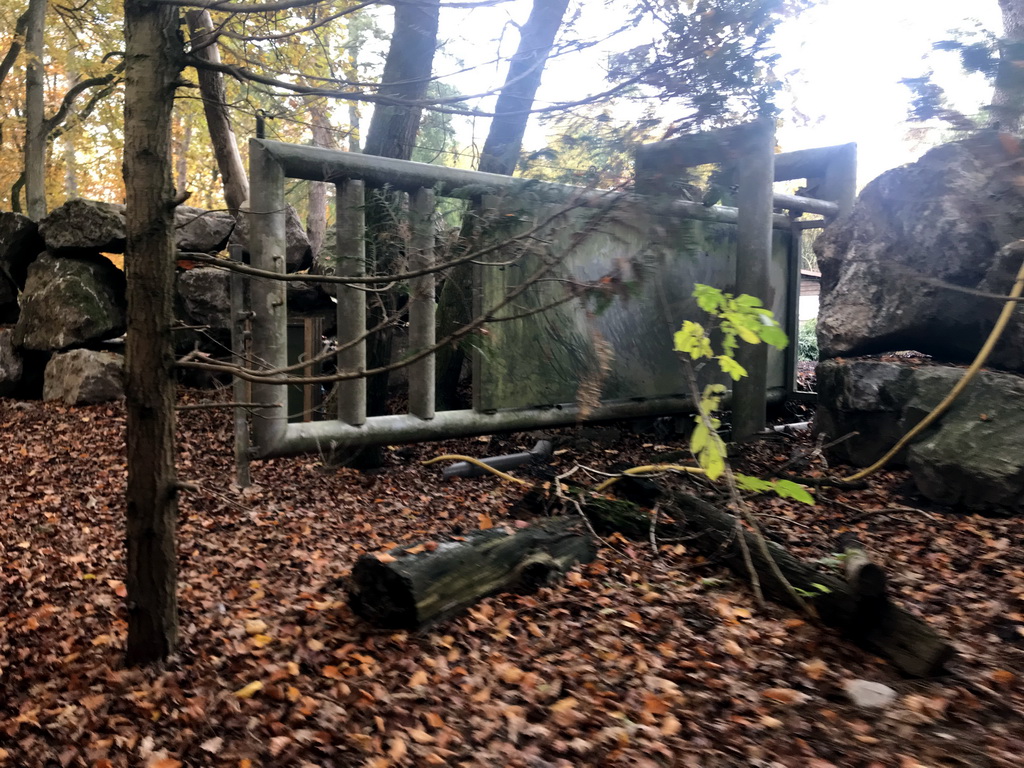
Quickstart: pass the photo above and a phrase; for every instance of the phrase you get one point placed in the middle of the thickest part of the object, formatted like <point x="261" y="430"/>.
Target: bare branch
<point x="16" y="45"/>
<point x="243" y="74"/>
<point x="273" y="376"/>
<point x="69" y="98"/>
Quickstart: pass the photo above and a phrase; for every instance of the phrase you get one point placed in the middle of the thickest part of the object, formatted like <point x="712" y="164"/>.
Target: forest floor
<point x="650" y="656"/>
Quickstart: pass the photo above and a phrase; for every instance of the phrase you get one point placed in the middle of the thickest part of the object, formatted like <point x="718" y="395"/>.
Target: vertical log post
<point x="753" y="258"/>
<point x="269" y="299"/>
<point x="351" y="262"/>
<point x="239" y="354"/>
<point x="422" y="305"/>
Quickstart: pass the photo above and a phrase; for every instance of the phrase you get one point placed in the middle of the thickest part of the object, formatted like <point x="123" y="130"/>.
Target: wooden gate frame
<point x="272" y="162"/>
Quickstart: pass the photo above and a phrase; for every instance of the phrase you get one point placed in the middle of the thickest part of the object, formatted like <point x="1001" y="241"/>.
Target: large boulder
<point x="298" y="252"/>
<point x="199" y="231"/>
<point x="11" y="366"/>
<point x="204" y="297"/>
<point x="947" y="216"/>
<point x="972" y="458"/>
<point x="84" y="225"/>
<point x="70" y="302"/>
<point x="20" y="243"/>
<point x="84" y="376"/>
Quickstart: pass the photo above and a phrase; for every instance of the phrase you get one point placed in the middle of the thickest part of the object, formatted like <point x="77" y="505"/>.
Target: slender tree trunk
<point x="20" y="26"/>
<point x="181" y="156"/>
<point x="407" y="71"/>
<point x="35" y="132"/>
<point x="1008" y="98"/>
<point x="350" y="68"/>
<point x="215" y="105"/>
<point x="70" y="159"/>
<point x="316" y="219"/>
<point x="392" y="133"/>
<point x="512" y="110"/>
<point x="70" y="167"/>
<point x="153" y="56"/>
<point x="353" y="127"/>
<point x="500" y="155"/>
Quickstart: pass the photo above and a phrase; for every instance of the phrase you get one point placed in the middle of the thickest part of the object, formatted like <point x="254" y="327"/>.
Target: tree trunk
<point x="512" y="111"/>
<point x="20" y="26"/>
<point x="215" y="105"/>
<point x="410" y="591"/>
<point x="152" y="57"/>
<point x="350" y="69"/>
<point x="316" y="219"/>
<point x="181" y="156"/>
<point x="392" y="133"/>
<point x="70" y="166"/>
<point x="885" y="628"/>
<point x="35" y="132"/>
<point x="500" y="155"/>
<point x="1008" y="98"/>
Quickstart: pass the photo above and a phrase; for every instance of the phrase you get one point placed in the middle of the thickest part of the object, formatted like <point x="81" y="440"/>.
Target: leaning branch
<point x="16" y="45"/>
<point x="50" y="124"/>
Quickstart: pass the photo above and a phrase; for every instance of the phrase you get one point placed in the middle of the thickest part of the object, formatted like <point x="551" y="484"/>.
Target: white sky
<point x="844" y="60"/>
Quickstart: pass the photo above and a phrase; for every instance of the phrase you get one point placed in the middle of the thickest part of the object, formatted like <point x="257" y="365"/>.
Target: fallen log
<point x="858" y="611"/>
<point x="412" y="587"/>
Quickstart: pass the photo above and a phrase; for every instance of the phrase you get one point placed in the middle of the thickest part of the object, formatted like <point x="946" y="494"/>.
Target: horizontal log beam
<point x="318" y="436"/>
<point x="319" y="164"/>
<point x="906" y="640"/>
<point x="410" y="591"/>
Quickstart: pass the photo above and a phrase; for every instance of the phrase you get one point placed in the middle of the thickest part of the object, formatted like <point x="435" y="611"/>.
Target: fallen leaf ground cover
<point x="650" y="656"/>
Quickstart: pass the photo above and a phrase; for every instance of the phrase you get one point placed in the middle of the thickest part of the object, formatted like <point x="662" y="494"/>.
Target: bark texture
<point x="414" y="590"/>
<point x="153" y="56"/>
<point x="215" y="106"/>
<point x="512" y="110"/>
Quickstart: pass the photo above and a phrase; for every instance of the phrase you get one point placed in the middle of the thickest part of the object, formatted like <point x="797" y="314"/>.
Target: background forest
<point x="314" y="71"/>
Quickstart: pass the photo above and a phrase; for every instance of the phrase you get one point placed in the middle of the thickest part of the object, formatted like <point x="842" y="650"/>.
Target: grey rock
<point x="298" y="253"/>
<point x="201" y="231"/>
<point x="972" y="458"/>
<point x="84" y="376"/>
<point x="70" y="302"/>
<point x="204" y="294"/>
<point x="867" y="694"/>
<point x="20" y="243"/>
<point x="947" y="216"/>
<point x="975" y="458"/>
<point x="11" y="367"/>
<point x="84" y="225"/>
